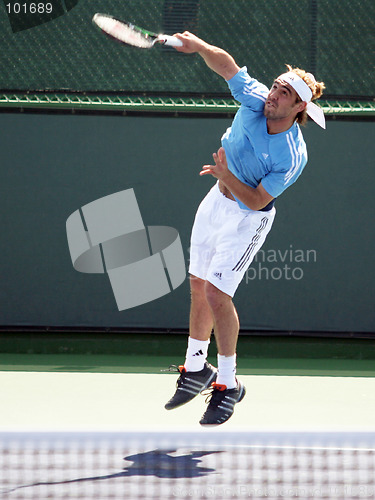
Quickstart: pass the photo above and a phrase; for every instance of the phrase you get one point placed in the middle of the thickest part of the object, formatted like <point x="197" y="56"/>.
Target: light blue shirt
<point x="254" y="156"/>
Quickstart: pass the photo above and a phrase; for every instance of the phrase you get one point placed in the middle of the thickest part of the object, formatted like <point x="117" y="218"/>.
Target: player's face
<point x="281" y="102"/>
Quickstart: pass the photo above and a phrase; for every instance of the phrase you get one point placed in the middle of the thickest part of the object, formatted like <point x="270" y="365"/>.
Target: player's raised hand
<point x="220" y="169"/>
<point x="191" y="43"/>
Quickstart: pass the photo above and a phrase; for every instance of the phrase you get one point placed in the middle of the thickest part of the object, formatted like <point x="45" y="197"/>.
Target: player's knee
<point x="197" y="287"/>
<point x="215" y="297"/>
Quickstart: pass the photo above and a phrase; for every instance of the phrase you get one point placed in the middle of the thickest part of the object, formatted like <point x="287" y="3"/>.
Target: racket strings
<point x="126" y="33"/>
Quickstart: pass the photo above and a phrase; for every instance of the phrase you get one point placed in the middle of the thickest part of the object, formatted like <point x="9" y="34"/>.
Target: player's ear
<point x="301" y="106"/>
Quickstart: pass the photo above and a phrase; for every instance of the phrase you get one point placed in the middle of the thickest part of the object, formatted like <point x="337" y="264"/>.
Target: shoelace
<point x="177" y="369"/>
<point x="173" y="369"/>
<point x="214" y="394"/>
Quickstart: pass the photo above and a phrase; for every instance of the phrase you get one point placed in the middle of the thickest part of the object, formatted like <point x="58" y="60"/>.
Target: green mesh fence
<point x="62" y="53"/>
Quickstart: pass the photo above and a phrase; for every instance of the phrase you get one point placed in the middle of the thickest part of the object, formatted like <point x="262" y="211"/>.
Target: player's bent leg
<point x="227" y="391"/>
<point x="201" y="319"/>
<point x="197" y="374"/>
<point x="225" y="319"/>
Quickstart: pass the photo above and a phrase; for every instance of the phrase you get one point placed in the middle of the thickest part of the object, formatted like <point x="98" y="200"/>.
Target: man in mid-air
<point x="262" y="154"/>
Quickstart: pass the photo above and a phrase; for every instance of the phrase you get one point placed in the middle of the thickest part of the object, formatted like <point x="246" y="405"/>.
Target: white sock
<point x="196" y="355"/>
<point x="226" y="375"/>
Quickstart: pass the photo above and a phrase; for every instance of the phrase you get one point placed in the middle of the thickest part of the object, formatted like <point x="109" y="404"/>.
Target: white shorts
<point x="225" y="239"/>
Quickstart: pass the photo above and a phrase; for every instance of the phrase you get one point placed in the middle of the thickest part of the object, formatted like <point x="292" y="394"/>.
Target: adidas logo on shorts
<point x="218" y="275"/>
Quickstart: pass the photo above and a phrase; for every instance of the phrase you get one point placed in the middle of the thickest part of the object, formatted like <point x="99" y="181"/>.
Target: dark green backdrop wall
<point x="316" y="271"/>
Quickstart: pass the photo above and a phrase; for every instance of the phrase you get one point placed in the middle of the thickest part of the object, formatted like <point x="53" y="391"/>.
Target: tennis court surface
<point x="84" y="431"/>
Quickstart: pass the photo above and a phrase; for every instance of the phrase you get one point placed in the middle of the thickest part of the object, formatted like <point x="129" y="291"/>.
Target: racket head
<point x="123" y="32"/>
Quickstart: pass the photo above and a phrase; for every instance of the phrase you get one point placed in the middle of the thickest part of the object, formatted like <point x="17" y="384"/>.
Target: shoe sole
<point x="242" y="394"/>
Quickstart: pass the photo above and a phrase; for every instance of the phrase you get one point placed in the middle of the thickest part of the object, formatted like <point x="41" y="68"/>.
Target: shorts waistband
<point x="267" y="208"/>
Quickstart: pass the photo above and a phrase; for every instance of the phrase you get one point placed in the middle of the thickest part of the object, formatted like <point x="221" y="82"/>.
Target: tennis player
<point x="261" y="155"/>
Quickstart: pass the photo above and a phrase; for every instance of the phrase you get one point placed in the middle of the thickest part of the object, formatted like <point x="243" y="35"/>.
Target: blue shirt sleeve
<point x="286" y="171"/>
<point x="247" y="90"/>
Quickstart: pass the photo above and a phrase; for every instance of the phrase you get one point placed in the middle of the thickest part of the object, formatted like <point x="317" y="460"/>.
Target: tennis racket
<point x="129" y="34"/>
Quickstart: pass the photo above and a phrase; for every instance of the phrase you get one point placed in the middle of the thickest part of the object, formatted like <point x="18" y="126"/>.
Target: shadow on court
<point x="157" y="463"/>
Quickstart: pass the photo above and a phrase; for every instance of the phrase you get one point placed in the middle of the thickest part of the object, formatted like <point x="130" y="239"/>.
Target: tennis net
<point x="195" y="464"/>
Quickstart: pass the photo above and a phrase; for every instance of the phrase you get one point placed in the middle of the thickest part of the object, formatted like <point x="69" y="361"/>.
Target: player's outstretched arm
<point x="217" y="59"/>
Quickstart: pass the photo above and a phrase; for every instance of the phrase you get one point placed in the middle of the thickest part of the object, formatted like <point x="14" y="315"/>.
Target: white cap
<point x="303" y="90"/>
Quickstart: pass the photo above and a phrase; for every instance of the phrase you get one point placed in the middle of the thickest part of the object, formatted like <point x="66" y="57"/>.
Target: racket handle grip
<point x="171" y="41"/>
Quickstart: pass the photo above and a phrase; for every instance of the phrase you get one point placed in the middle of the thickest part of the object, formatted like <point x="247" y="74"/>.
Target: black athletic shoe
<point x="221" y="403"/>
<point x="190" y="384"/>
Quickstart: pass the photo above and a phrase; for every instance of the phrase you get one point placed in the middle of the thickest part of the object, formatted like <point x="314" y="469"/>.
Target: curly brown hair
<point x="315" y="87"/>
